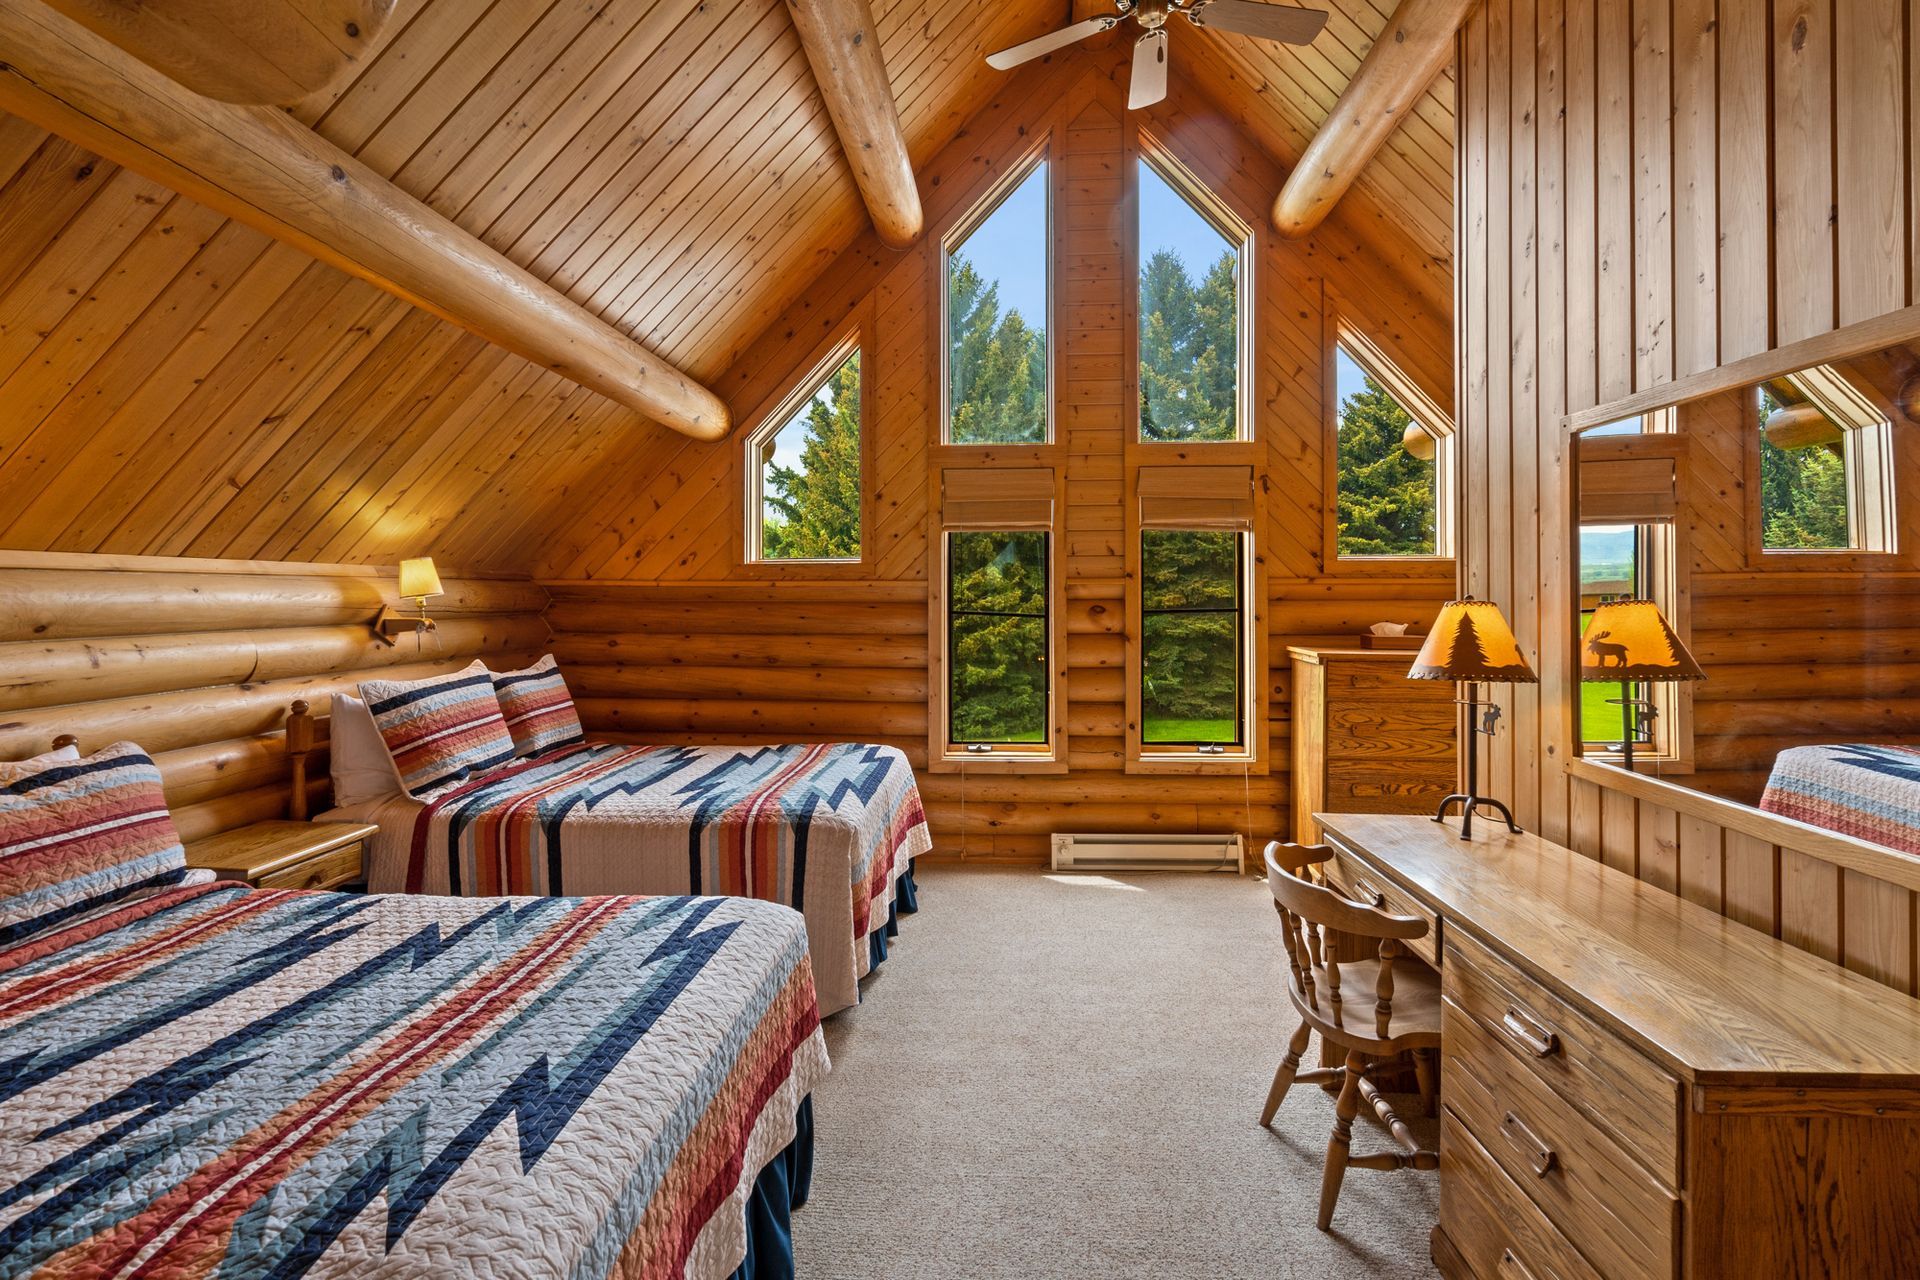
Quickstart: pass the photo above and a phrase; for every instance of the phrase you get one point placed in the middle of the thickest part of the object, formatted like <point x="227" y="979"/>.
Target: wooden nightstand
<point x="287" y="855"/>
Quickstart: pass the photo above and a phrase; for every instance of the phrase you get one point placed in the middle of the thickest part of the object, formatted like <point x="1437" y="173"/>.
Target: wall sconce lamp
<point x="418" y="580"/>
<point x="1629" y="642"/>
<point x="1471" y="643"/>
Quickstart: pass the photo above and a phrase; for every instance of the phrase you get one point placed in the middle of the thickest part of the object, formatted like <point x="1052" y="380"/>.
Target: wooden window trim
<point x="774" y="413"/>
<point x="1671" y="567"/>
<point x="1257" y="752"/>
<point x="1344" y="331"/>
<point x="984" y="206"/>
<point x="942" y="755"/>
<point x="1147" y="147"/>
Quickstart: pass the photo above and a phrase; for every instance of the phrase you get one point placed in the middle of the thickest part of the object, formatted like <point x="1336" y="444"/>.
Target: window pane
<point x="1610" y="558"/>
<point x="997" y="637"/>
<point x="996" y="323"/>
<point x="1189" y="319"/>
<point x="1386" y="497"/>
<point x="810" y="475"/>
<point x="1803" y="491"/>
<point x="1190" y="637"/>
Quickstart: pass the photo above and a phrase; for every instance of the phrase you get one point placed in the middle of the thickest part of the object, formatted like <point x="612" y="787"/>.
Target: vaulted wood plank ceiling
<point x="172" y="383"/>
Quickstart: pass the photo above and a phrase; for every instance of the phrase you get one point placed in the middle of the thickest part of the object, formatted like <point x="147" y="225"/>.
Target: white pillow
<point x="363" y="771"/>
<point x="68" y="752"/>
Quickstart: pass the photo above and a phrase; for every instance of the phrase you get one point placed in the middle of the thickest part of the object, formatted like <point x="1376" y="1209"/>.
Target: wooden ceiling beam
<point x="255" y="52"/>
<point x="1413" y="48"/>
<point x="260" y="167"/>
<point x="843" y="47"/>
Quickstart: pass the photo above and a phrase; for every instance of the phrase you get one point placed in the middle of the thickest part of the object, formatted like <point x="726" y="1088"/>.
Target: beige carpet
<point x="1060" y="1077"/>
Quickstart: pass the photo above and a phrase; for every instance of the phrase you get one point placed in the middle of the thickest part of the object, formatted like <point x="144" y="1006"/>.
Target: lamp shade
<point x="1470" y="640"/>
<point x="418" y="578"/>
<point x="1629" y="640"/>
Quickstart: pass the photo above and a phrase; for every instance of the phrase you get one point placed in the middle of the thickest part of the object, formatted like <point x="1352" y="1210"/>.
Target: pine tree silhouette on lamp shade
<point x="1629" y="641"/>
<point x="1472" y="644"/>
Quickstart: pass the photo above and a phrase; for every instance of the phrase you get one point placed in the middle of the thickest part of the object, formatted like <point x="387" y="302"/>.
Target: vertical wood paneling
<point x="1803" y="155"/>
<point x="1729" y="177"/>
<point x="1870" y="113"/>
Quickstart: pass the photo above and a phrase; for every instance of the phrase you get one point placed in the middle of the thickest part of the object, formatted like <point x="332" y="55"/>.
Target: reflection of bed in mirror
<point x="1865" y="790"/>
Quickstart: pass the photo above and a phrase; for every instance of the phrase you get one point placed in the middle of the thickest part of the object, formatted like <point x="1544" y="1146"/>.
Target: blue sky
<point x="1167" y="221"/>
<point x="1010" y="247"/>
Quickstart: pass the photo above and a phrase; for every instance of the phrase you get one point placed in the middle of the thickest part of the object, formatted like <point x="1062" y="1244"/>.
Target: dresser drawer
<point x="1499" y="1233"/>
<point x="1621" y="1091"/>
<point x="328" y="870"/>
<point x="1595" y="1193"/>
<point x="1352" y="876"/>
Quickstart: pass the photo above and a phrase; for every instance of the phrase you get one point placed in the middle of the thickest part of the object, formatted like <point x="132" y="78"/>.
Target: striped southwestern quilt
<point x="224" y="1081"/>
<point x="826" y="828"/>
<point x="1872" y="792"/>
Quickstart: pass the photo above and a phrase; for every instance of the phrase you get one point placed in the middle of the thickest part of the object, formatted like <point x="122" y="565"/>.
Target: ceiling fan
<point x="1148" y="85"/>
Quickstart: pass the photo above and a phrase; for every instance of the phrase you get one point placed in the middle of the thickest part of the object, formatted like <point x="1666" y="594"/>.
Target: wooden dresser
<point x="1636" y="1086"/>
<point x="1365" y="738"/>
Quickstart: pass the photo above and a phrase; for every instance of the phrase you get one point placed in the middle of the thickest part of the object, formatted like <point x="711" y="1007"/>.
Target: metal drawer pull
<point x="1538" y="1153"/>
<point x="1364" y="892"/>
<point x="1510" y="1265"/>
<point x="1535" y="1038"/>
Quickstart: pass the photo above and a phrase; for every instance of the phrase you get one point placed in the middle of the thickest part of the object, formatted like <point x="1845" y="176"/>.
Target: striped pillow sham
<point x="440" y="730"/>
<point x="79" y="833"/>
<point x="538" y="709"/>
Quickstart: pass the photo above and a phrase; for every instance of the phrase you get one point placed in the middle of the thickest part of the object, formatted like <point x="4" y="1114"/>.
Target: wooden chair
<point x="1403" y="1015"/>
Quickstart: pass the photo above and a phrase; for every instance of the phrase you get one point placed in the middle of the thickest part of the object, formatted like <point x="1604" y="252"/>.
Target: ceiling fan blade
<point x="1008" y="59"/>
<point x="1267" y="21"/>
<point x="1149" y="81"/>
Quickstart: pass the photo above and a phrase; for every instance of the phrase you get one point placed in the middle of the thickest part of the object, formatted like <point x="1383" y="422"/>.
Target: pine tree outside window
<point x="1393" y="452"/>
<point x="1825" y="465"/>
<point x="998" y="636"/>
<point x="1193" y="638"/>
<point x="1194" y="331"/>
<point x="804" y="469"/>
<point x="996" y="360"/>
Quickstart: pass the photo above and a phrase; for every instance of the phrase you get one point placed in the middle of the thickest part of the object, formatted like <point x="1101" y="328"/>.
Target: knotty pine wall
<point x="198" y="661"/>
<point x="1647" y="191"/>
<point x="666" y="635"/>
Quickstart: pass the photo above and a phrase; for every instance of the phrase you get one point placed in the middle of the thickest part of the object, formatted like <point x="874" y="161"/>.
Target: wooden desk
<point x="287" y="855"/>
<point x="1636" y="1086"/>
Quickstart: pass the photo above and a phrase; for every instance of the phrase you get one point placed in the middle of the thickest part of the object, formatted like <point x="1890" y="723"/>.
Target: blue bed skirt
<point x="906" y="901"/>
<point x="780" y="1189"/>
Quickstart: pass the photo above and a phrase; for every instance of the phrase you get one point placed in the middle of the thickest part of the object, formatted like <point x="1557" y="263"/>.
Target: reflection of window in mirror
<point x="1629" y="562"/>
<point x="1393" y="459"/>
<point x="1825" y="465"/>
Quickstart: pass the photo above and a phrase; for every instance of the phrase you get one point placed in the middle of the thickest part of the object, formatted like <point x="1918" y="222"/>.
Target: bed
<point x="1863" y="790"/>
<point x="217" y="1080"/>
<point x="830" y="829"/>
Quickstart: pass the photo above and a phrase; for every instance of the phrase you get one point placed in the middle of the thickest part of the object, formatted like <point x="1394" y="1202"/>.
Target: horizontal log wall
<point x="665" y="635"/>
<point x="197" y="662"/>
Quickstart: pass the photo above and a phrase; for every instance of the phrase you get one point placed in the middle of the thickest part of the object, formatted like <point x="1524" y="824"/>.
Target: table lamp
<point x="1629" y="642"/>
<point x="1471" y="643"/>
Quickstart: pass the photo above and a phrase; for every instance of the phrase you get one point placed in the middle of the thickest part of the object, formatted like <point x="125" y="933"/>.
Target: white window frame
<point x="1866" y="451"/>
<point x="956" y="238"/>
<point x="1426" y="414"/>
<point x="758" y="441"/>
<point x="1216" y="213"/>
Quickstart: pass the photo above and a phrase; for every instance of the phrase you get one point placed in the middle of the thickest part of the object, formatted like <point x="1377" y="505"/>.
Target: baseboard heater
<point x="1104" y="851"/>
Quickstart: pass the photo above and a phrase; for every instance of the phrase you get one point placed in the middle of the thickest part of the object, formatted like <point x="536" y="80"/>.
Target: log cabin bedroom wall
<point x="664" y="625"/>
<point x="304" y="300"/>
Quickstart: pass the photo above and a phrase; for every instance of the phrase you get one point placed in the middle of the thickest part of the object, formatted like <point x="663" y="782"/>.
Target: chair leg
<point x="1341" y="1144"/>
<point x="1283" y="1078"/>
<point x="1423" y="1073"/>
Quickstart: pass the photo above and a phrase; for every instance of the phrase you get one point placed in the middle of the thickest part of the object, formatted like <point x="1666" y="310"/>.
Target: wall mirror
<point x="1746" y="561"/>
